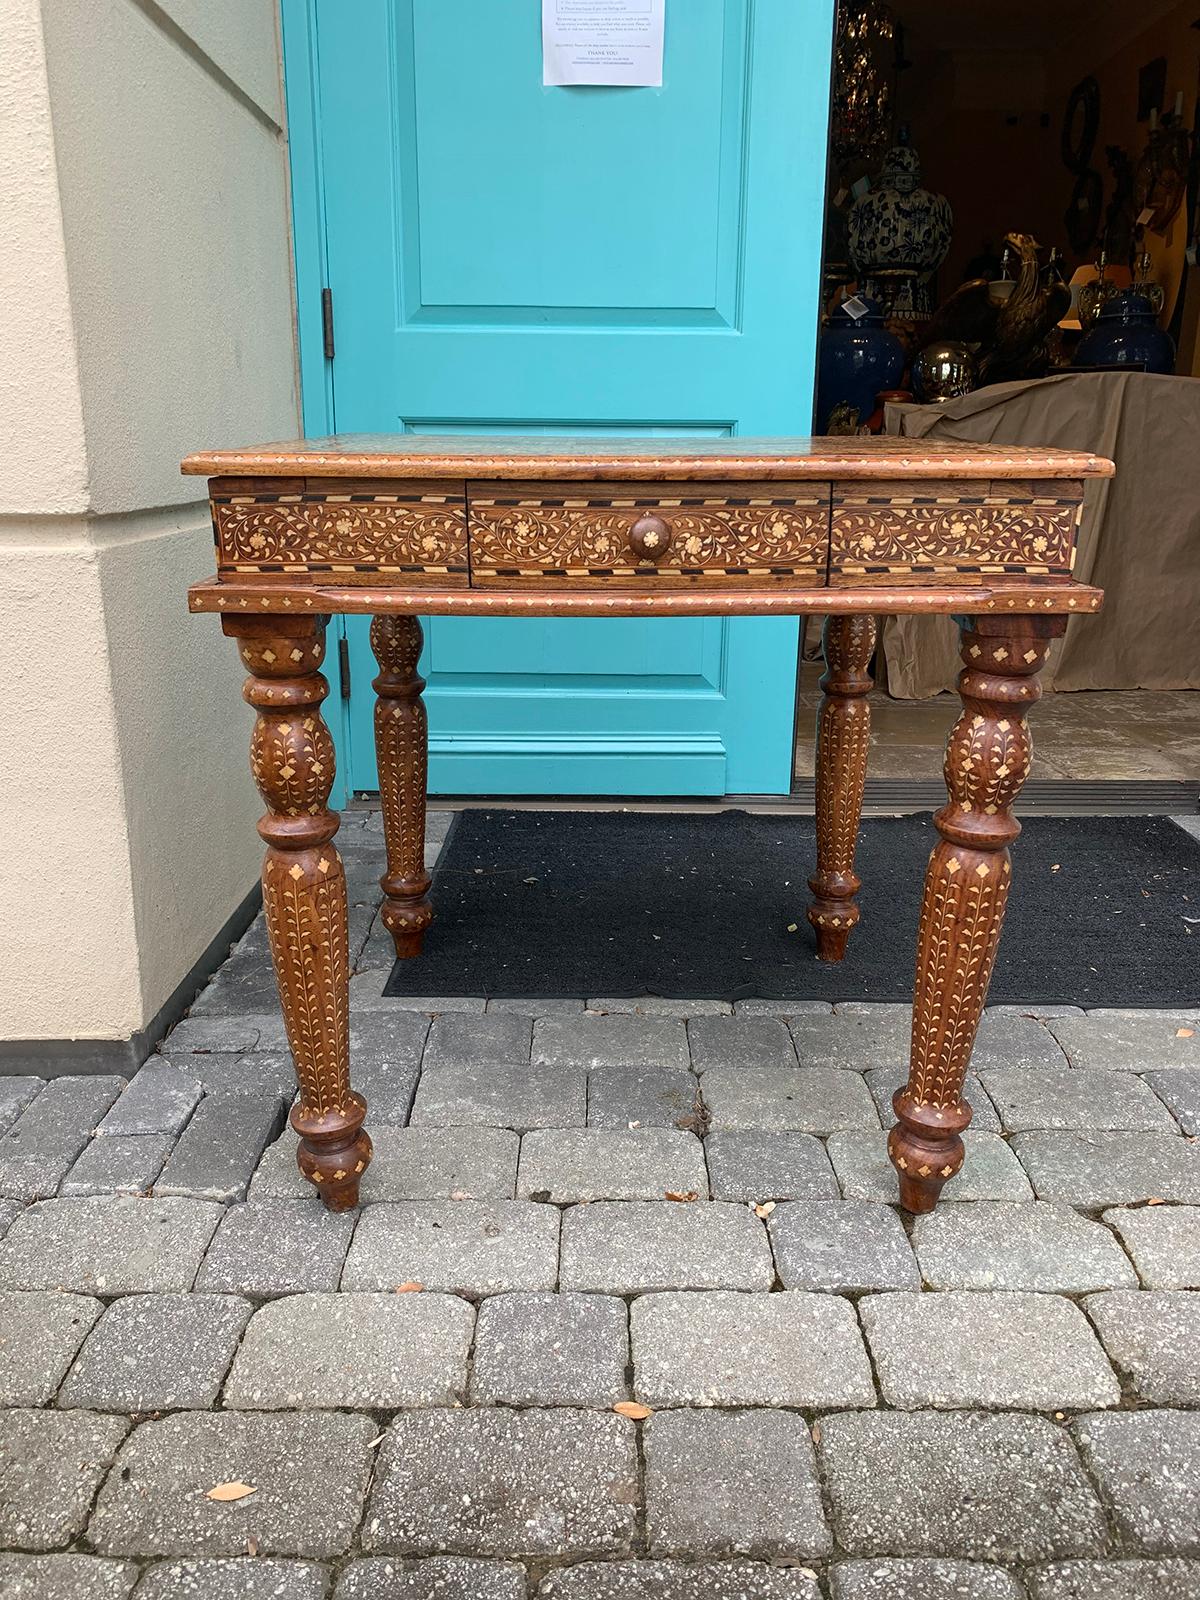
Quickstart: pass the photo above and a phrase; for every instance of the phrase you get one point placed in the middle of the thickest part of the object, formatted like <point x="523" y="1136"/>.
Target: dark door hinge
<point x="344" y="667"/>
<point x="327" y="322"/>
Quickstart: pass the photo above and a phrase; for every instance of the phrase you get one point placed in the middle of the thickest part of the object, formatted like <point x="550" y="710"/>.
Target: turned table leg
<point x="304" y="892"/>
<point x="402" y="753"/>
<point x="966" y="889"/>
<point x="843" y="732"/>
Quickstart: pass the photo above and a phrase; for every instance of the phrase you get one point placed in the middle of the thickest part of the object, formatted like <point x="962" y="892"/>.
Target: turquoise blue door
<point x="508" y="257"/>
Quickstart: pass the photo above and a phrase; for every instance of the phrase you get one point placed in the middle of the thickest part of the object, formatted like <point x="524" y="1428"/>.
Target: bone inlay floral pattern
<point x="875" y="537"/>
<point x="855" y="529"/>
<point x="781" y="535"/>
<point x="346" y="534"/>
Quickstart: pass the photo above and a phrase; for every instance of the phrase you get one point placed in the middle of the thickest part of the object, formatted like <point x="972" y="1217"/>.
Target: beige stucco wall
<point x="41" y="420"/>
<point x="143" y="162"/>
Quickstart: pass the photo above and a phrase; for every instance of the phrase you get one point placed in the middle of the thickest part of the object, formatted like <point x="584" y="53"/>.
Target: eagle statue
<point x="1008" y="335"/>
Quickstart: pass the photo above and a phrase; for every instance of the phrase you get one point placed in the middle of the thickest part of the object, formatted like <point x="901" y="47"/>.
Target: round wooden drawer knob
<point x="650" y="538"/>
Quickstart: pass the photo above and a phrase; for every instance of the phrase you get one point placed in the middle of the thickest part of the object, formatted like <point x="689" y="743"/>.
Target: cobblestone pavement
<point x="522" y="1369"/>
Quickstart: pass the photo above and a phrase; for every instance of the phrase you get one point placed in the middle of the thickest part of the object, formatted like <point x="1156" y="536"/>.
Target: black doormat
<point x="591" y="904"/>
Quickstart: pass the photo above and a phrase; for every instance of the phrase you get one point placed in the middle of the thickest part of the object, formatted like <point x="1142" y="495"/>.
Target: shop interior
<point x="1011" y="256"/>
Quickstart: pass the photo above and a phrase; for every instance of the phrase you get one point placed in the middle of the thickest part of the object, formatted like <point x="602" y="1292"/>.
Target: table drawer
<point x="645" y="535"/>
<point x="970" y="531"/>
<point x="355" y="531"/>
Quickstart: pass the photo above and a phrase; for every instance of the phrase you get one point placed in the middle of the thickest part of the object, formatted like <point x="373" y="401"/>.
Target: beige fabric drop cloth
<point x="1139" y="539"/>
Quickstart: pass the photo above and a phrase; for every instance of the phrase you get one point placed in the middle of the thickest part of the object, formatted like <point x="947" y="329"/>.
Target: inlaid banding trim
<point x="641" y="572"/>
<point x="647" y="503"/>
<point x="1050" y="597"/>
<point x="338" y="499"/>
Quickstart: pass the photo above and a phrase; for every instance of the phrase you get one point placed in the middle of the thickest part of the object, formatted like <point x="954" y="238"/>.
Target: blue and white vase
<point x="899" y="234"/>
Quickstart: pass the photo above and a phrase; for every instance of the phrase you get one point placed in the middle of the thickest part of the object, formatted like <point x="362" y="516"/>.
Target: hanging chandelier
<point x="862" y="96"/>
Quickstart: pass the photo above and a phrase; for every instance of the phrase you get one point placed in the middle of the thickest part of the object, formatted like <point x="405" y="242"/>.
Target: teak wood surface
<point x="851" y="529"/>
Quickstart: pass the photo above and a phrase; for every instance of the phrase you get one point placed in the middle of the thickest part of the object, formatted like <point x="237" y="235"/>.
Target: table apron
<point x="644" y="538"/>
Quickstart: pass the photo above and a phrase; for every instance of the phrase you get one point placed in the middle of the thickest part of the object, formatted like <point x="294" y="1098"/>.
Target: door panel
<point x="507" y="257"/>
<point x="524" y="189"/>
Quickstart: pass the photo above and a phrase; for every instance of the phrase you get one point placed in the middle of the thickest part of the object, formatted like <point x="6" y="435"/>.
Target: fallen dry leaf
<point x="1184" y="1033"/>
<point x="230" y="1491"/>
<point x="792" y="926"/>
<point x="411" y="1287"/>
<point x="1155" y="1200"/>
<point x="765" y="1209"/>
<point x="683" y="1195"/>
<point x="252" y="1546"/>
<point x="630" y="1408"/>
<point x="816" y="1433"/>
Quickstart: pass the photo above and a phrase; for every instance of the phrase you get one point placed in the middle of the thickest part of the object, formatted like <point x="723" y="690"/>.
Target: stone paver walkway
<point x="628" y="1311"/>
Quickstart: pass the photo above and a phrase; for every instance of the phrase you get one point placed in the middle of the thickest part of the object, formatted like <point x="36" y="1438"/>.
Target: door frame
<point x="306" y="200"/>
<point x="306" y="194"/>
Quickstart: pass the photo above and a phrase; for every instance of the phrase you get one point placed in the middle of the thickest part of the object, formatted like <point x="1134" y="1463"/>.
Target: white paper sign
<point x="603" y="41"/>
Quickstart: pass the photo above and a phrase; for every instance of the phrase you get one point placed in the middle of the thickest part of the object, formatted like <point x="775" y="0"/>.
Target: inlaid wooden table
<point x="846" y="528"/>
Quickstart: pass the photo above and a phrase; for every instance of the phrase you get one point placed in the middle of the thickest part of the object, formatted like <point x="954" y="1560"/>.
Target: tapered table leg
<point x="304" y="892"/>
<point x="966" y="889"/>
<point x="843" y="733"/>
<point x="402" y="754"/>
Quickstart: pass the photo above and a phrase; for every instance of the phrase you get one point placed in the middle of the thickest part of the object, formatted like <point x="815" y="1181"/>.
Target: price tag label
<point x="1146" y="217"/>
<point x="855" y="307"/>
<point x="860" y="188"/>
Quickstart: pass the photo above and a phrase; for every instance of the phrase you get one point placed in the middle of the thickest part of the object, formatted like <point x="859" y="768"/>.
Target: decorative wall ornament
<point x="1120" y="220"/>
<point x="899" y="234"/>
<point x="1082" y="216"/>
<point x="1081" y="123"/>
<point x="1160" y="181"/>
